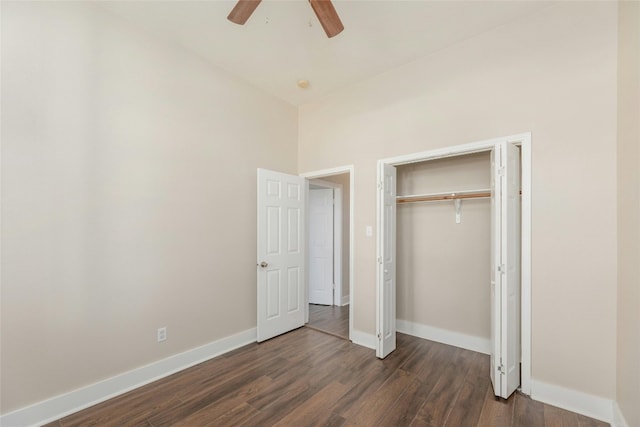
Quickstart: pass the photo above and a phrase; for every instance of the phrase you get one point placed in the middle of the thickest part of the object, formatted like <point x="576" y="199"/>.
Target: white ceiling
<point x="283" y="41"/>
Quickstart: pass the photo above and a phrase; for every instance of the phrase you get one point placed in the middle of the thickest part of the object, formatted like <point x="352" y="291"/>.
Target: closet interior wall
<point x="443" y="268"/>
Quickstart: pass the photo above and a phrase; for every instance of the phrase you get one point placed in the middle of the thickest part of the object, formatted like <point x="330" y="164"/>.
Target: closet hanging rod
<point x="451" y="195"/>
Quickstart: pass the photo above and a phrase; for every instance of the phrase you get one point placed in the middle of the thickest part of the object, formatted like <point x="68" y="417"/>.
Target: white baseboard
<point x="68" y="403"/>
<point x="618" y="418"/>
<point x="572" y="400"/>
<point x="363" y="339"/>
<point x="345" y="300"/>
<point x="469" y="342"/>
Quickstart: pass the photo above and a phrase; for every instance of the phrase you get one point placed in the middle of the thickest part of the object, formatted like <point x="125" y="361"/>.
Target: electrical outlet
<point x="162" y="334"/>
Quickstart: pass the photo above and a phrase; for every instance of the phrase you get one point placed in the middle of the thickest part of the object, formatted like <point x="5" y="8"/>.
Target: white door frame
<point x="337" y="237"/>
<point x="524" y="141"/>
<point x="330" y="172"/>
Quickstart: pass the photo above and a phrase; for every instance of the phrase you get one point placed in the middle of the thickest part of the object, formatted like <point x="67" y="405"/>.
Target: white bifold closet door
<point x="505" y="266"/>
<point x="505" y="269"/>
<point x="386" y="328"/>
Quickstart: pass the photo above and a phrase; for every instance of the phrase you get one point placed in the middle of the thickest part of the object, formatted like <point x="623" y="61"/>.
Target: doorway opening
<point x="443" y="247"/>
<point x="329" y="306"/>
<point x="514" y="328"/>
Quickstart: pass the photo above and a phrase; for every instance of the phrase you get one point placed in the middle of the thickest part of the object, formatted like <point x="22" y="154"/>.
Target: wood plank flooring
<point x="309" y="378"/>
<point x="331" y="319"/>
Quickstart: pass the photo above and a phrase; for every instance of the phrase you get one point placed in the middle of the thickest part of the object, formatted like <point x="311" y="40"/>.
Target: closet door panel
<point x="386" y="328"/>
<point x="511" y="262"/>
<point x="496" y="279"/>
<point x="505" y="271"/>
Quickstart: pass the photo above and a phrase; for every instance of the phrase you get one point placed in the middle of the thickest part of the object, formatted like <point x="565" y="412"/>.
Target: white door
<point x="281" y="285"/>
<point x="321" y="282"/>
<point x="505" y="269"/>
<point x="386" y="289"/>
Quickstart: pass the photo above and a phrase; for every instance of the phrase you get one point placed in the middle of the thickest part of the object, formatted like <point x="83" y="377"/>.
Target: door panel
<point x="386" y="328"/>
<point x="496" y="280"/>
<point x="293" y="242"/>
<point x="273" y="294"/>
<point x="321" y="246"/>
<point x="505" y="269"/>
<point x="511" y="260"/>
<point x="293" y="284"/>
<point x="280" y="284"/>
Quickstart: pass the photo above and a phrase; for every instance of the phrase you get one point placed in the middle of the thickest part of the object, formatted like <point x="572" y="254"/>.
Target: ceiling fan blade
<point x="242" y="11"/>
<point x="327" y="16"/>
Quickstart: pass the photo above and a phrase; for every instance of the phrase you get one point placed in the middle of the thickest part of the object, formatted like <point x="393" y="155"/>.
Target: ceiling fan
<point x="324" y="10"/>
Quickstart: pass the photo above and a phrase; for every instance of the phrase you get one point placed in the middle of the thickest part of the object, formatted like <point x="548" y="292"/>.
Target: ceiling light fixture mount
<point x="303" y="84"/>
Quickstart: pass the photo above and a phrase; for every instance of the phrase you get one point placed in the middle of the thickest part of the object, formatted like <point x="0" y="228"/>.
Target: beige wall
<point x="554" y="74"/>
<point x="343" y="179"/>
<point x="115" y="168"/>
<point x="124" y="205"/>
<point x="628" y="347"/>
<point x="443" y="270"/>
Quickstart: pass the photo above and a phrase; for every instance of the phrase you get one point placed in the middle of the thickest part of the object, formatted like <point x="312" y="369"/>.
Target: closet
<point x="443" y="249"/>
<point x="454" y="252"/>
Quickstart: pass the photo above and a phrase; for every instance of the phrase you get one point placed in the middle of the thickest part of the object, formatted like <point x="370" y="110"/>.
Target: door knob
<point x="264" y="264"/>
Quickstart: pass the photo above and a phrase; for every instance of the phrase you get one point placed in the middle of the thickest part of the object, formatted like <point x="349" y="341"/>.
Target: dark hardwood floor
<point x="307" y="378"/>
<point x="330" y="319"/>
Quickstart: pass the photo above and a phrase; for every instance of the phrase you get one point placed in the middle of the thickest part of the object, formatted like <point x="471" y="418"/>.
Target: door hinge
<point x="380" y="186"/>
<point x="379" y="336"/>
<point x="501" y="171"/>
<point x="501" y="269"/>
<point x="501" y="368"/>
<point x="379" y="260"/>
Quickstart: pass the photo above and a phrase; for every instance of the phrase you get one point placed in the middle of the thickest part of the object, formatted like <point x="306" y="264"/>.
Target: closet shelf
<point x="434" y="197"/>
